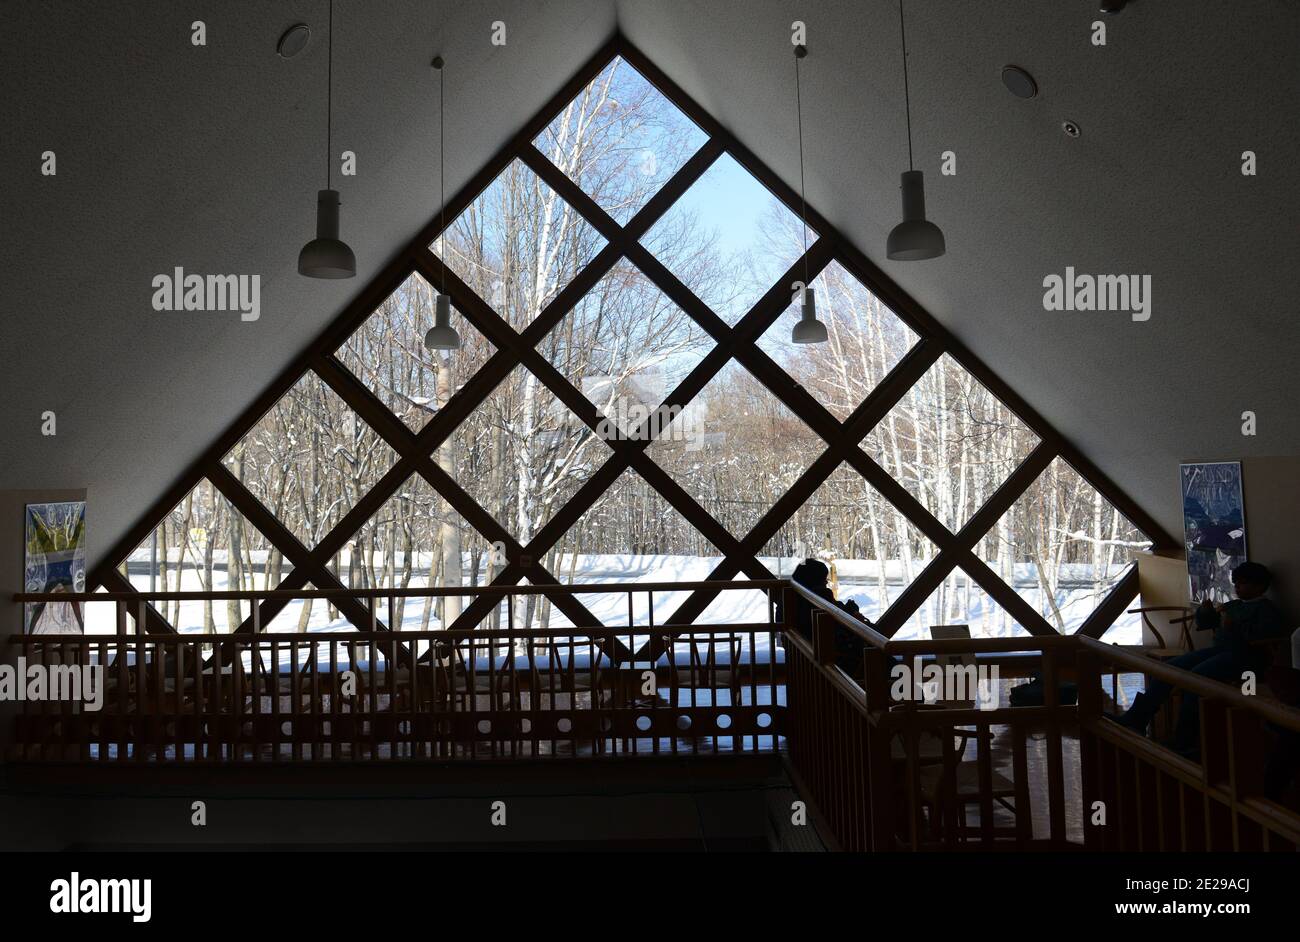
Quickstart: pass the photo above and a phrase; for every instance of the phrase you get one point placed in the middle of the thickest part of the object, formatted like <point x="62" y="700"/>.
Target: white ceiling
<point x="209" y="158"/>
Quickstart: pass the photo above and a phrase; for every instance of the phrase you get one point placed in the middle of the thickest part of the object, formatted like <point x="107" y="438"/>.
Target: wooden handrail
<point x="860" y="628"/>
<point x="437" y="592"/>
<point x="840" y="681"/>
<point x="445" y="635"/>
<point x="1286" y="716"/>
<point x="1029" y="644"/>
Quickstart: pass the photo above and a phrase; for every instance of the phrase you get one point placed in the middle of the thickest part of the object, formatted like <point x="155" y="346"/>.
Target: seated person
<point x="813" y="574"/>
<point x="1249" y="617"/>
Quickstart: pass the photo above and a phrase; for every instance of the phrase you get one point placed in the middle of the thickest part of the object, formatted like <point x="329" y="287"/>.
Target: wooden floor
<point x="1036" y="749"/>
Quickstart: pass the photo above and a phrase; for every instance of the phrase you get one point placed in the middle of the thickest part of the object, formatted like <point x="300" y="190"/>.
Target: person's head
<point x="811" y="573"/>
<point x="1251" y="580"/>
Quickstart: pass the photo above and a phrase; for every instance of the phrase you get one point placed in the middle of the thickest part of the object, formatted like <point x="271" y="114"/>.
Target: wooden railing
<point x="1140" y="796"/>
<point x="259" y="697"/>
<point x="880" y="771"/>
<point x="887" y="773"/>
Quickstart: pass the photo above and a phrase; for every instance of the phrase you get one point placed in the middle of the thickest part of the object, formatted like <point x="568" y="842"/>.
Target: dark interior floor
<point x="718" y="805"/>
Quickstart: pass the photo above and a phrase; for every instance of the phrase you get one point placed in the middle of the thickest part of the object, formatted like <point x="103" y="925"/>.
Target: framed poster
<point x="55" y="561"/>
<point x="1214" y="527"/>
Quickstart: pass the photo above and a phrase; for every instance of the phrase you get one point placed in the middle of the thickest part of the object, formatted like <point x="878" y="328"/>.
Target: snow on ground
<point x="859" y="580"/>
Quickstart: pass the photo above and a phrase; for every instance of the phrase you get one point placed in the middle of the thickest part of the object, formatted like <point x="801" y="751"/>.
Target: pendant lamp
<point x="914" y="238"/>
<point x="809" y="329"/>
<point x="327" y="256"/>
<point x="441" y="336"/>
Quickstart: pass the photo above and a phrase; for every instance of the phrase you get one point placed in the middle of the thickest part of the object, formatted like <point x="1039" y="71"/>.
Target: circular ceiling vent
<point x="1019" y="82"/>
<point x="293" y="41"/>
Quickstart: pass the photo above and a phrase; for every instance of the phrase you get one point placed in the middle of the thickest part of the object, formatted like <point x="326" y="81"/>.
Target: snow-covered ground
<point x="858" y="580"/>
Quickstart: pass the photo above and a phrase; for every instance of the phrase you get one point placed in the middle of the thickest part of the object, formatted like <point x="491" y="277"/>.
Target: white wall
<point x="1272" y="490"/>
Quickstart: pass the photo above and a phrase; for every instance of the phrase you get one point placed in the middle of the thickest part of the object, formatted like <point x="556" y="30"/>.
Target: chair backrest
<point x="949" y="661"/>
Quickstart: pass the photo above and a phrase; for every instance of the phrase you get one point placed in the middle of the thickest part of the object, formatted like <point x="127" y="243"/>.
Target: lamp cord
<point x="329" y="99"/>
<point x="803" y="202"/>
<point x="442" y="180"/>
<point x="907" y="100"/>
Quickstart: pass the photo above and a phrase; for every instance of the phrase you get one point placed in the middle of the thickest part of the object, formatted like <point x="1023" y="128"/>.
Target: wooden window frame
<point x="516" y="348"/>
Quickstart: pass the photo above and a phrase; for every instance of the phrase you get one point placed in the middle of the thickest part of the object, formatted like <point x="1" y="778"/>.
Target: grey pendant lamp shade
<point x="327" y="256"/>
<point x="914" y="238"/>
<point x="809" y="329"/>
<point x="441" y="336"/>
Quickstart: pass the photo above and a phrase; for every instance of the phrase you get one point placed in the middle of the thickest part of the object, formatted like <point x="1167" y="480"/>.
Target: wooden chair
<point x="947" y="782"/>
<point x="1185" y="619"/>
<point x="712" y="663"/>
<point x="700" y="668"/>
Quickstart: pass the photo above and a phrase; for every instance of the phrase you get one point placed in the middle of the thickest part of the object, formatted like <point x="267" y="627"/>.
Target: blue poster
<point x="55" y="562"/>
<point x="1214" y="527"/>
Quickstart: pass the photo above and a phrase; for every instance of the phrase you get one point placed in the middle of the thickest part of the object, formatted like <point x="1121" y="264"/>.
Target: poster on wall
<point x="55" y="562"/>
<point x="1214" y="527"/>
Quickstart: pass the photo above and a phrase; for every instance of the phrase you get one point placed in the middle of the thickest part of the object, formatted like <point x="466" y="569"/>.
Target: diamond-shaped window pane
<point x="416" y="540"/>
<point x="632" y="534"/>
<point x="307" y="616"/>
<point x="536" y="612"/>
<point x="101" y="617"/>
<point x="518" y="244"/>
<point x="728" y="239"/>
<point x="620" y="140"/>
<point x="626" y="346"/>
<point x="522" y="454"/>
<point x="736" y="449"/>
<point x="387" y="353"/>
<point x="960" y="600"/>
<point x="205" y="545"/>
<point x="865" y="340"/>
<point x="741" y="606"/>
<point x="310" y="459"/>
<point x="872" y="550"/>
<point x="950" y="442"/>
<point x="1062" y="546"/>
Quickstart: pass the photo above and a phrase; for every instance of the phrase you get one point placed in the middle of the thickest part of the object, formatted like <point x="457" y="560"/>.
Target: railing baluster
<point x="392" y="689"/>
<point x="141" y="694"/>
<point x="200" y="741"/>
<point x="1055" y="767"/>
<point x="178" y="739"/>
<point x="237" y="700"/>
<point x="218" y="705"/>
<point x="353" y="720"/>
<point x="295" y="706"/>
<point x="334" y="698"/>
<point x="275" y="699"/>
<point x="259" y="680"/>
<point x="103" y="693"/>
<point x="315" y="702"/>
